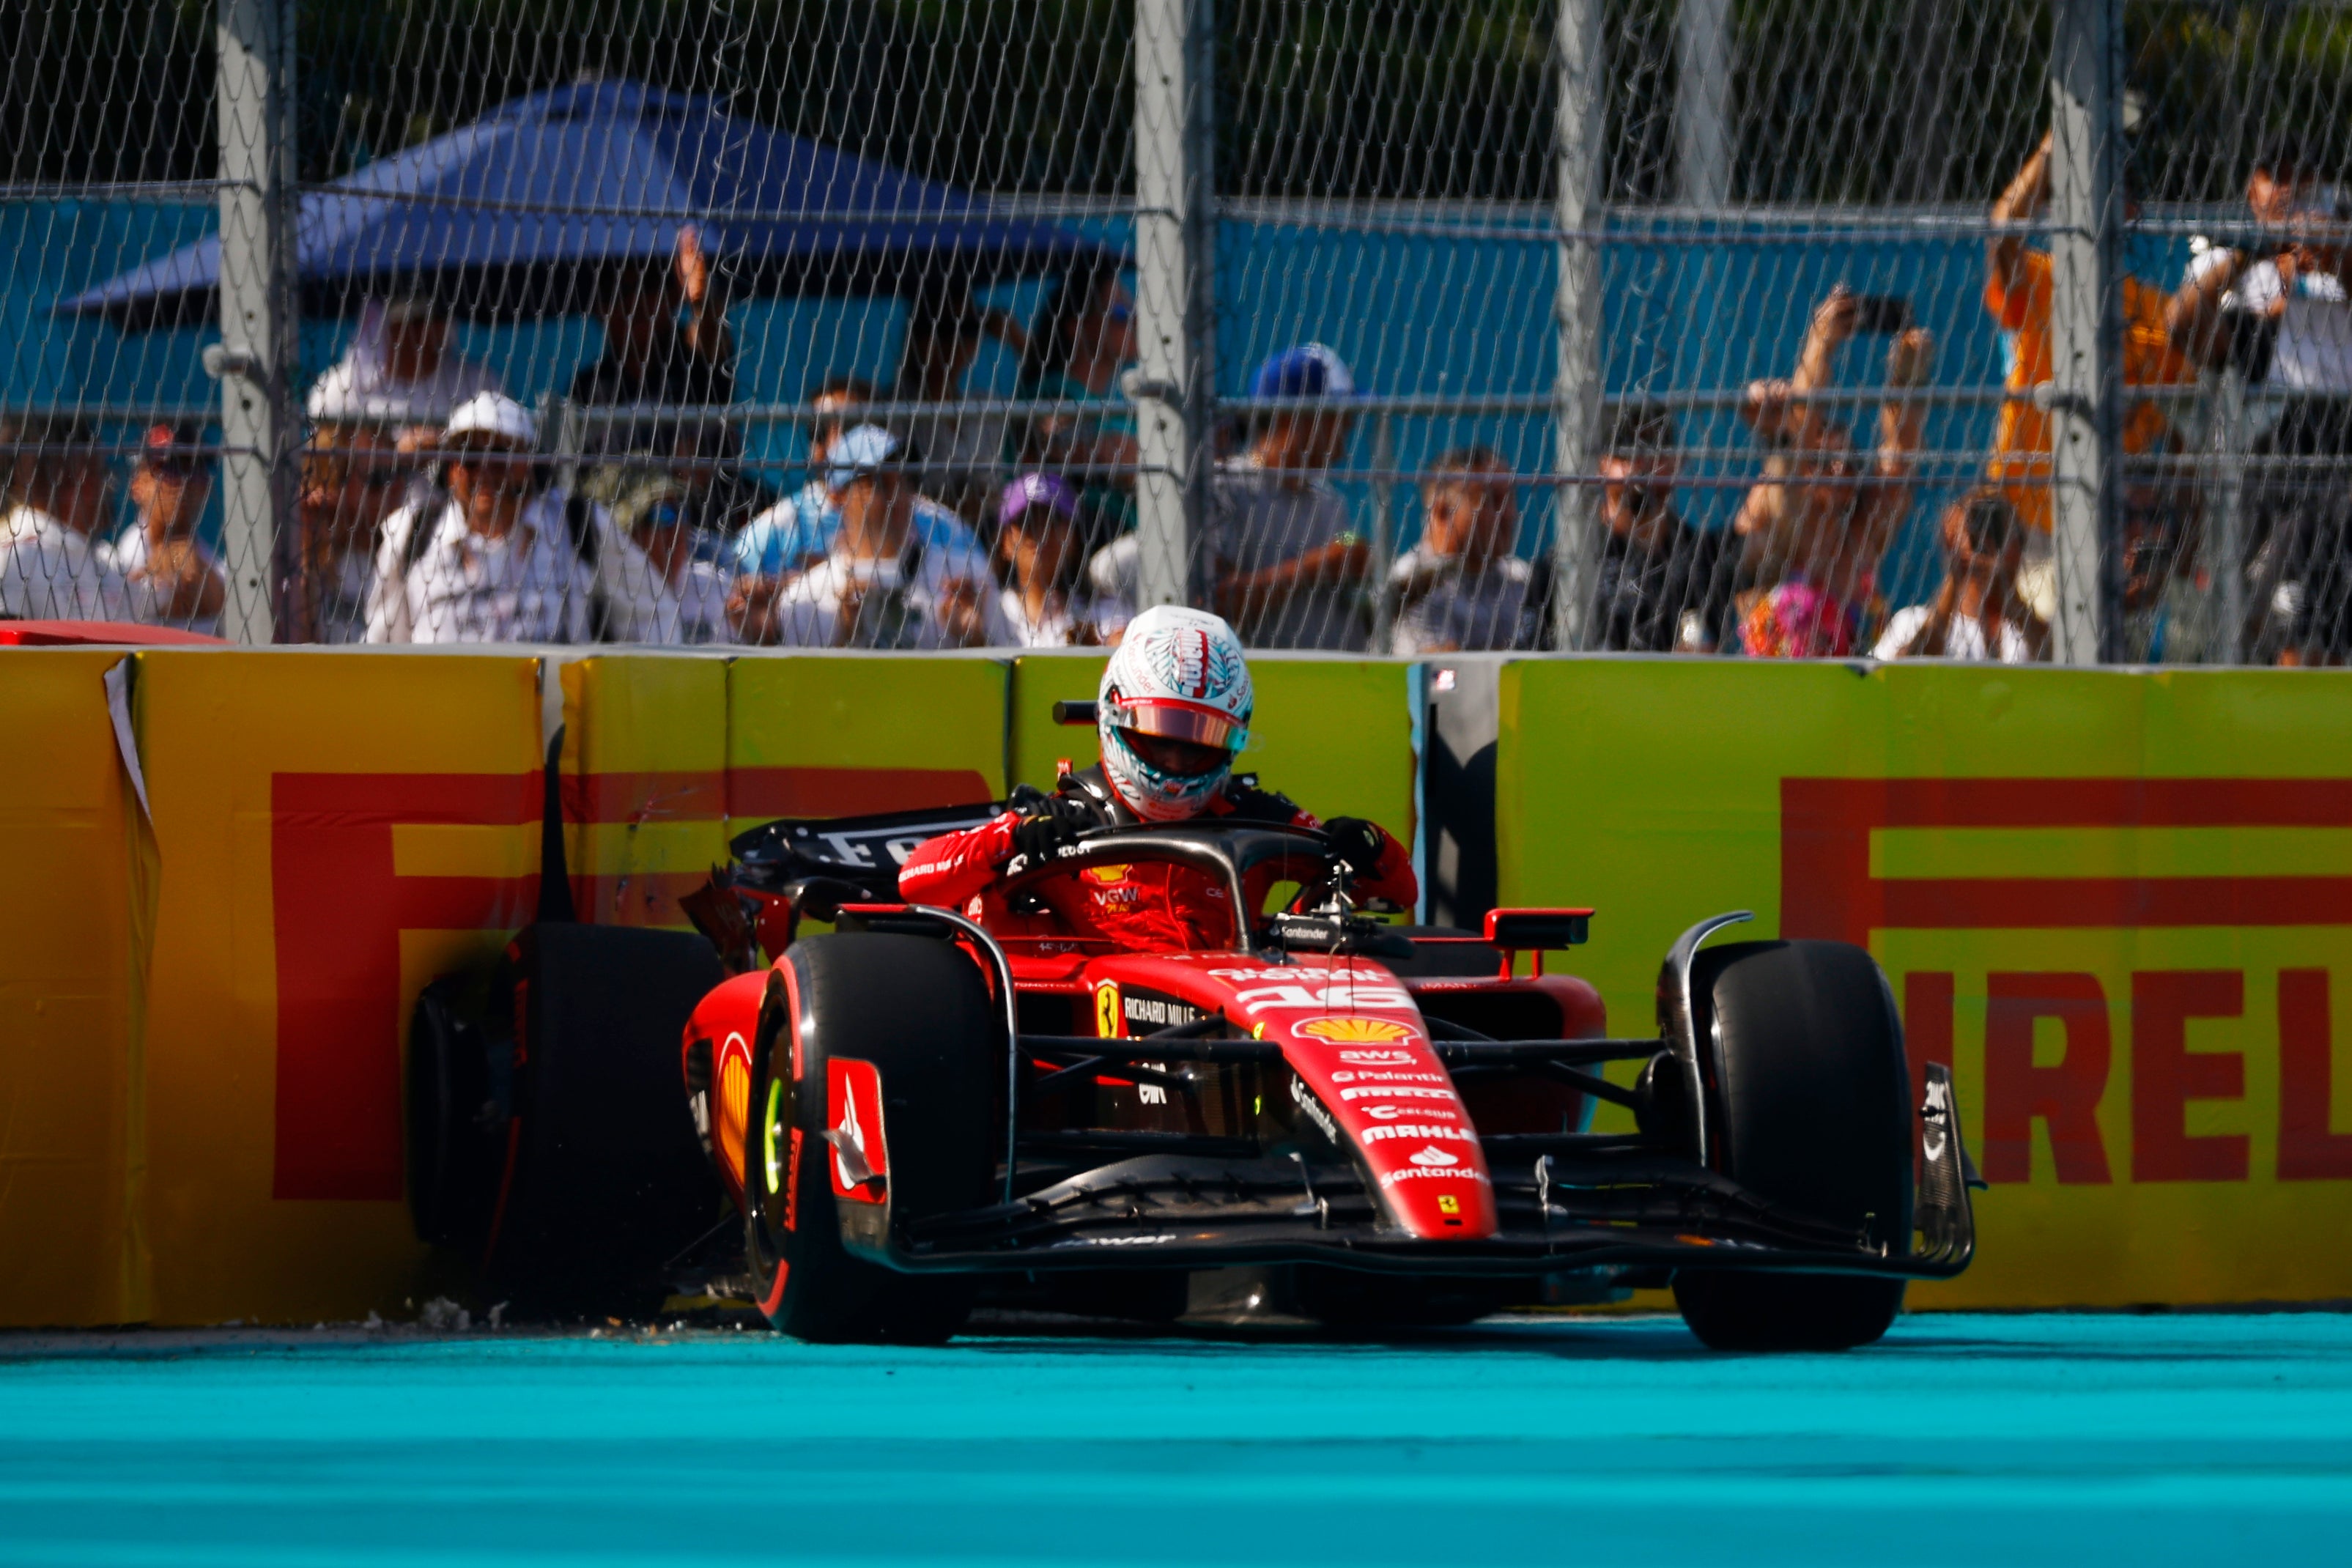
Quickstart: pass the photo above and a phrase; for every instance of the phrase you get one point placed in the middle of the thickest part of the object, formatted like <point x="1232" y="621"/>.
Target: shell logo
<point x="1353" y="1031"/>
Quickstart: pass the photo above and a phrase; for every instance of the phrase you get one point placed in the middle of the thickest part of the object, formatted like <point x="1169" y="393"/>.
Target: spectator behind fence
<point x="170" y="576"/>
<point x="1080" y="340"/>
<point x="961" y="452"/>
<point x="1812" y="532"/>
<point x="1037" y="551"/>
<point x="2278" y="312"/>
<point x="649" y="357"/>
<point x="1461" y="588"/>
<point x="500" y="556"/>
<point x="1286" y="567"/>
<point x="402" y="369"/>
<point x="52" y="563"/>
<point x="691" y="591"/>
<point x="704" y="485"/>
<point x="353" y="478"/>
<point x="2017" y="295"/>
<point x="1978" y="613"/>
<point x="1663" y="586"/>
<point x="880" y="585"/>
<point x="795" y="532"/>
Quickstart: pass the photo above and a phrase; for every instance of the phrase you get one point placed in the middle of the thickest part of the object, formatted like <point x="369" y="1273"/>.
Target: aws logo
<point x="1353" y="1031"/>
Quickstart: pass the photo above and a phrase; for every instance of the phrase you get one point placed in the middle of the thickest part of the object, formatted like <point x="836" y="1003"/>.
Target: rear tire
<point x="607" y="1182"/>
<point x="918" y="1010"/>
<point x="1811" y="1108"/>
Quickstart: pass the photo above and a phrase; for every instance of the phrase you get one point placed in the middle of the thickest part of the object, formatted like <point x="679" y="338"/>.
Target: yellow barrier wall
<point x="2118" y="903"/>
<point x="644" y="784"/>
<point x="70" y="1193"/>
<point x="816" y="736"/>
<point x="333" y="831"/>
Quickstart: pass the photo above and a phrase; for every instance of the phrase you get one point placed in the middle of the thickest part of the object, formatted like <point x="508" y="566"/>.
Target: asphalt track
<point x="1988" y="1441"/>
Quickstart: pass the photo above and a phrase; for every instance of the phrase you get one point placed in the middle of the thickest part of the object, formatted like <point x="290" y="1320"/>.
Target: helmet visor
<point x="1172" y="720"/>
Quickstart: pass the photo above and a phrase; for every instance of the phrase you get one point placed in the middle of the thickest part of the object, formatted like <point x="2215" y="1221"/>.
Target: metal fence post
<point x="1174" y="384"/>
<point x="2225" y="550"/>
<point x="2087" y="327"/>
<point x="1703" y="103"/>
<point x="255" y="358"/>
<point x="1576" y="317"/>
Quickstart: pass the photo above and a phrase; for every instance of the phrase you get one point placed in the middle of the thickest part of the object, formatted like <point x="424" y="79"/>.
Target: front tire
<point x="917" y="1009"/>
<point x="1811" y="1109"/>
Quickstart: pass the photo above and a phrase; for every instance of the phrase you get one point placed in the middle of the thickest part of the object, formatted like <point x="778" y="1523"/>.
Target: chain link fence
<point x="1783" y="328"/>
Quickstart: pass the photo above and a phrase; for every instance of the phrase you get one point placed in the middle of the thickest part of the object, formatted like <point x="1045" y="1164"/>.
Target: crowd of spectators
<point x="430" y="511"/>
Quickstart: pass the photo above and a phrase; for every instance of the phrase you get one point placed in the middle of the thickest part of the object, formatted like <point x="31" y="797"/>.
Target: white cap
<point x="494" y="414"/>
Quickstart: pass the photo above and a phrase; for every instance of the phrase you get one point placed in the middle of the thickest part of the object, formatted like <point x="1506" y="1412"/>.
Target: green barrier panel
<point x="2116" y="902"/>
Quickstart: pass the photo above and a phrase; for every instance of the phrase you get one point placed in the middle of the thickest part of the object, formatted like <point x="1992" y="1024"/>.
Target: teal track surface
<point x="1991" y="1441"/>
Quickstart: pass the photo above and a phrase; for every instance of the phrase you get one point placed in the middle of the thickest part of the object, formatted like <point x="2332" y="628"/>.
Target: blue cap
<point x="860" y="451"/>
<point x="1310" y="369"/>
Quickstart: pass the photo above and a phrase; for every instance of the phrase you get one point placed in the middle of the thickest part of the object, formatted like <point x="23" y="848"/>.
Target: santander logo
<point x="1433" y="1155"/>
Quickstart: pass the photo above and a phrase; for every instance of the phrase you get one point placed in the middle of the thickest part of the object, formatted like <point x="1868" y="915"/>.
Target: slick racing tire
<point x="1811" y="1109"/>
<point x="918" y="1011"/>
<point x="606" y="1182"/>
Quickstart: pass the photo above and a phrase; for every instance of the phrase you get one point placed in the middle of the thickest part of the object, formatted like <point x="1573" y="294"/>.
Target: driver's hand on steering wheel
<point x="1050" y="823"/>
<point x="1355" y="842"/>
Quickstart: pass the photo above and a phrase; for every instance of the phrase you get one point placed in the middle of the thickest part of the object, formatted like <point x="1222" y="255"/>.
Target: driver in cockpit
<point x="1172" y="711"/>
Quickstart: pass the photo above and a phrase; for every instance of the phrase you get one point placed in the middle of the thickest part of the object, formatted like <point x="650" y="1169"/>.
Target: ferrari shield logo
<point x="1107" y="1014"/>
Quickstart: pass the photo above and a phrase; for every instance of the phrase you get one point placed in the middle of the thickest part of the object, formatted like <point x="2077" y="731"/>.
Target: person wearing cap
<point x="497" y="556"/>
<point x="659" y="519"/>
<point x="355" y="477"/>
<point x="1081" y="339"/>
<point x="1462" y="586"/>
<point x="795" y="534"/>
<point x="880" y="585"/>
<point x="170" y="576"/>
<point x="403" y="370"/>
<point x="1287" y="566"/>
<point x="51" y="566"/>
<point x="1038" y="553"/>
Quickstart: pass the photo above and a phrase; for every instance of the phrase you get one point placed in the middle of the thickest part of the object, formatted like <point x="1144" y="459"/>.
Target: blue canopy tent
<point x="519" y="214"/>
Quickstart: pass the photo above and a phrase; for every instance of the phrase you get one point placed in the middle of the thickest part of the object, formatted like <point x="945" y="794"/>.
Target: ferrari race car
<point x="1324" y="1116"/>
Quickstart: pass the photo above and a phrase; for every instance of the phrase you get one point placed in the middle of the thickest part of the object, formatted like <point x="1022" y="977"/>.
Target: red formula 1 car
<point x="1341" y="1120"/>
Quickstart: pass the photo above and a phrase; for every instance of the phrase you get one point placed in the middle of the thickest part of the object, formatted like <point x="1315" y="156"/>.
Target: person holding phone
<point x="1812" y="532"/>
<point x="1978" y="613"/>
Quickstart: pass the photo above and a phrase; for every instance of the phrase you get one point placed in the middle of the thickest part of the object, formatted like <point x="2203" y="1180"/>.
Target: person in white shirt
<point x="1978" y="612"/>
<point x="402" y="369"/>
<point x="881" y="585"/>
<point x="2279" y="308"/>
<point x="658" y="517"/>
<point x="55" y="481"/>
<point x="170" y="576"/>
<point x="498" y="558"/>
<point x="1037" y="551"/>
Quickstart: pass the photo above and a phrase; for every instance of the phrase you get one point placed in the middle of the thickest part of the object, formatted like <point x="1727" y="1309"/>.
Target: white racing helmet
<point x="1173" y="711"/>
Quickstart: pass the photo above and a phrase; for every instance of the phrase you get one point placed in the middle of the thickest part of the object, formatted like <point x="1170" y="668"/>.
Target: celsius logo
<point x="1391" y="1113"/>
<point x="1433" y="1155"/>
<point x="1376" y="1059"/>
<point x="1354" y="1031"/>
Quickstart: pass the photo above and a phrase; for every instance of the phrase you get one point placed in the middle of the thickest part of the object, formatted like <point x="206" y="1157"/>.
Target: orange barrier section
<point x="2116" y="904"/>
<point x="335" y="829"/>
<point x="70" y="1165"/>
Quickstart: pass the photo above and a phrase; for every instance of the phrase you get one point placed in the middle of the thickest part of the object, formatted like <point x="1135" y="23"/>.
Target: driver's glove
<point x="1047" y="826"/>
<point x="1355" y="842"/>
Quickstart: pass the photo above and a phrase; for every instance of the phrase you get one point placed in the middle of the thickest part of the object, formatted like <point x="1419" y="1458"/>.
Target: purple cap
<point x="1033" y="490"/>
